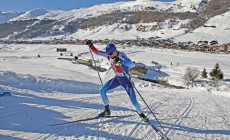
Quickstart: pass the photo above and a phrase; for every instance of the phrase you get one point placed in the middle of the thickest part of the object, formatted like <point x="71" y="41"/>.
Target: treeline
<point x="132" y="18"/>
<point x="216" y="7"/>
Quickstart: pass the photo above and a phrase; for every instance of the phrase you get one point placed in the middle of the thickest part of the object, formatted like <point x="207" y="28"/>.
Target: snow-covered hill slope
<point x="48" y="90"/>
<point x="33" y="14"/>
<point x="217" y="28"/>
<point x="139" y="5"/>
<point x="122" y="20"/>
<point x="8" y="15"/>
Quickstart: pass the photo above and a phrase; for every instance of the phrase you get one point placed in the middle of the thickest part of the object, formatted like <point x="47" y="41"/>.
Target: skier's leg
<point x="126" y="83"/>
<point x="133" y="98"/>
<point x="111" y="84"/>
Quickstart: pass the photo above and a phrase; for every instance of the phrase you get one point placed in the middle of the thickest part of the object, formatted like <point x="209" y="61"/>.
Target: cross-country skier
<point x="120" y="64"/>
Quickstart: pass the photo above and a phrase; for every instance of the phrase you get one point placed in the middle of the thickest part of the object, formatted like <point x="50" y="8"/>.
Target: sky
<point x="26" y="5"/>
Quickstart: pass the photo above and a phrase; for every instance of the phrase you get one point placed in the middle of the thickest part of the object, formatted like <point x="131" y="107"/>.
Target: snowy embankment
<point x="40" y="84"/>
<point x="47" y="91"/>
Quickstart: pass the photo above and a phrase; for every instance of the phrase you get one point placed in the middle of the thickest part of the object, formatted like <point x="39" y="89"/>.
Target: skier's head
<point x="110" y="48"/>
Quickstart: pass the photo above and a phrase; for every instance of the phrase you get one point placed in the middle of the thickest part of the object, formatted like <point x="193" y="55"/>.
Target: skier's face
<point x="113" y="54"/>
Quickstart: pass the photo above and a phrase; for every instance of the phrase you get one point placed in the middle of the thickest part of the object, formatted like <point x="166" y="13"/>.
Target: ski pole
<point x="144" y="101"/>
<point x="148" y="107"/>
<point x="96" y="66"/>
<point x="99" y="78"/>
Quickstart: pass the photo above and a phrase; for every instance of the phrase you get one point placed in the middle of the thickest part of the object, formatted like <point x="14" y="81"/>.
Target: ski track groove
<point x="156" y="105"/>
<point x="205" y="120"/>
<point x="183" y="114"/>
<point x="59" y="129"/>
<point x="153" y="131"/>
<point x="222" y="112"/>
<point x="215" y="125"/>
<point x="55" y="132"/>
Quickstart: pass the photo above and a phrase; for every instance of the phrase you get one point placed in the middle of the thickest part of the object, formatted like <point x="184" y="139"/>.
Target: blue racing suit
<point x="122" y="78"/>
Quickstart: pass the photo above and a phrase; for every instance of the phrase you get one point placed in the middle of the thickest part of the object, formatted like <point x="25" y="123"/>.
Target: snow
<point x="108" y="8"/>
<point x="221" y="32"/>
<point x="7" y="15"/>
<point x="115" y="31"/>
<point x="48" y="90"/>
<point x="31" y="14"/>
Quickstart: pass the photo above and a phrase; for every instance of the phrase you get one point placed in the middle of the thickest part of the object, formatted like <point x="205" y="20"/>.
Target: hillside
<point x="6" y="16"/>
<point x="46" y="90"/>
<point x="131" y="20"/>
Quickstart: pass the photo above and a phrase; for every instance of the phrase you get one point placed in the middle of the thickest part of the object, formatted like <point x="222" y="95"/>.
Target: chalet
<point x="174" y="46"/>
<point x="161" y="44"/>
<point x="61" y="49"/>
<point x="202" y="43"/>
<point x="214" y="46"/>
<point x="227" y="48"/>
<point x="203" y="46"/>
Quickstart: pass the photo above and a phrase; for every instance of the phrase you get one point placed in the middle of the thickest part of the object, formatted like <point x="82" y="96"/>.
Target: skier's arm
<point x="128" y="63"/>
<point x="125" y="60"/>
<point x="95" y="50"/>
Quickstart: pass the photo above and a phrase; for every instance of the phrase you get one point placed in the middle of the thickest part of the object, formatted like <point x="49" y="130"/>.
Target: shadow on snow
<point x="30" y="113"/>
<point x="41" y="84"/>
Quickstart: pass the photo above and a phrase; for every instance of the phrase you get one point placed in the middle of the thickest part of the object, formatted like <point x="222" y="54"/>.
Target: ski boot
<point x="106" y="112"/>
<point x="143" y="117"/>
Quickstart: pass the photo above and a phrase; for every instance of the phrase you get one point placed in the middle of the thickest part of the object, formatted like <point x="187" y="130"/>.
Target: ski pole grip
<point x="89" y="43"/>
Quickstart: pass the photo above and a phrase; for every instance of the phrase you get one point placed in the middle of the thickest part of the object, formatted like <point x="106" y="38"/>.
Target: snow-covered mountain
<point x="6" y="16"/>
<point x="217" y="28"/>
<point x="97" y="10"/>
<point x="33" y="14"/>
<point x="129" y="20"/>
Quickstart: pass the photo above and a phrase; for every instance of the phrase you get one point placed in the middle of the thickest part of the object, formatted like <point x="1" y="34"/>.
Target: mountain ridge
<point x="135" y="19"/>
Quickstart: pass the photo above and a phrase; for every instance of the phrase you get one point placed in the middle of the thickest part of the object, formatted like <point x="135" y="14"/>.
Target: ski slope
<point x="48" y="90"/>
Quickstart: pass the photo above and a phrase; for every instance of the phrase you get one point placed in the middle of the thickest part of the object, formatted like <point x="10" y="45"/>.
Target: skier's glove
<point x="116" y="60"/>
<point x="89" y="43"/>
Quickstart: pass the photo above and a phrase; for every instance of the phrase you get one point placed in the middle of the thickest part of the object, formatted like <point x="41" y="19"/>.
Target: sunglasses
<point x="111" y="53"/>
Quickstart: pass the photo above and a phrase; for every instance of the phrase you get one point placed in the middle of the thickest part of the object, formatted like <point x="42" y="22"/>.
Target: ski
<point x="159" y="132"/>
<point x="91" y="118"/>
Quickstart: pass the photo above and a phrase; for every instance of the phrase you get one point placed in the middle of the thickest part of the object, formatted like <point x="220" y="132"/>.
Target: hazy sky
<point x="25" y="5"/>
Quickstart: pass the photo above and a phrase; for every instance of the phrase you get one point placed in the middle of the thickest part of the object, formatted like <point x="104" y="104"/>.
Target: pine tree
<point x="216" y="73"/>
<point x="204" y="74"/>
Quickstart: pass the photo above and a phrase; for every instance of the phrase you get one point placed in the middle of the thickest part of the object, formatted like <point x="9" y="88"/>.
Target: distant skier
<point x="120" y="63"/>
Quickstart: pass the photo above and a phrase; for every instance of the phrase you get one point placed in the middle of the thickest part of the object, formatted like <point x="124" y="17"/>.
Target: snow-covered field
<point x="48" y="90"/>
